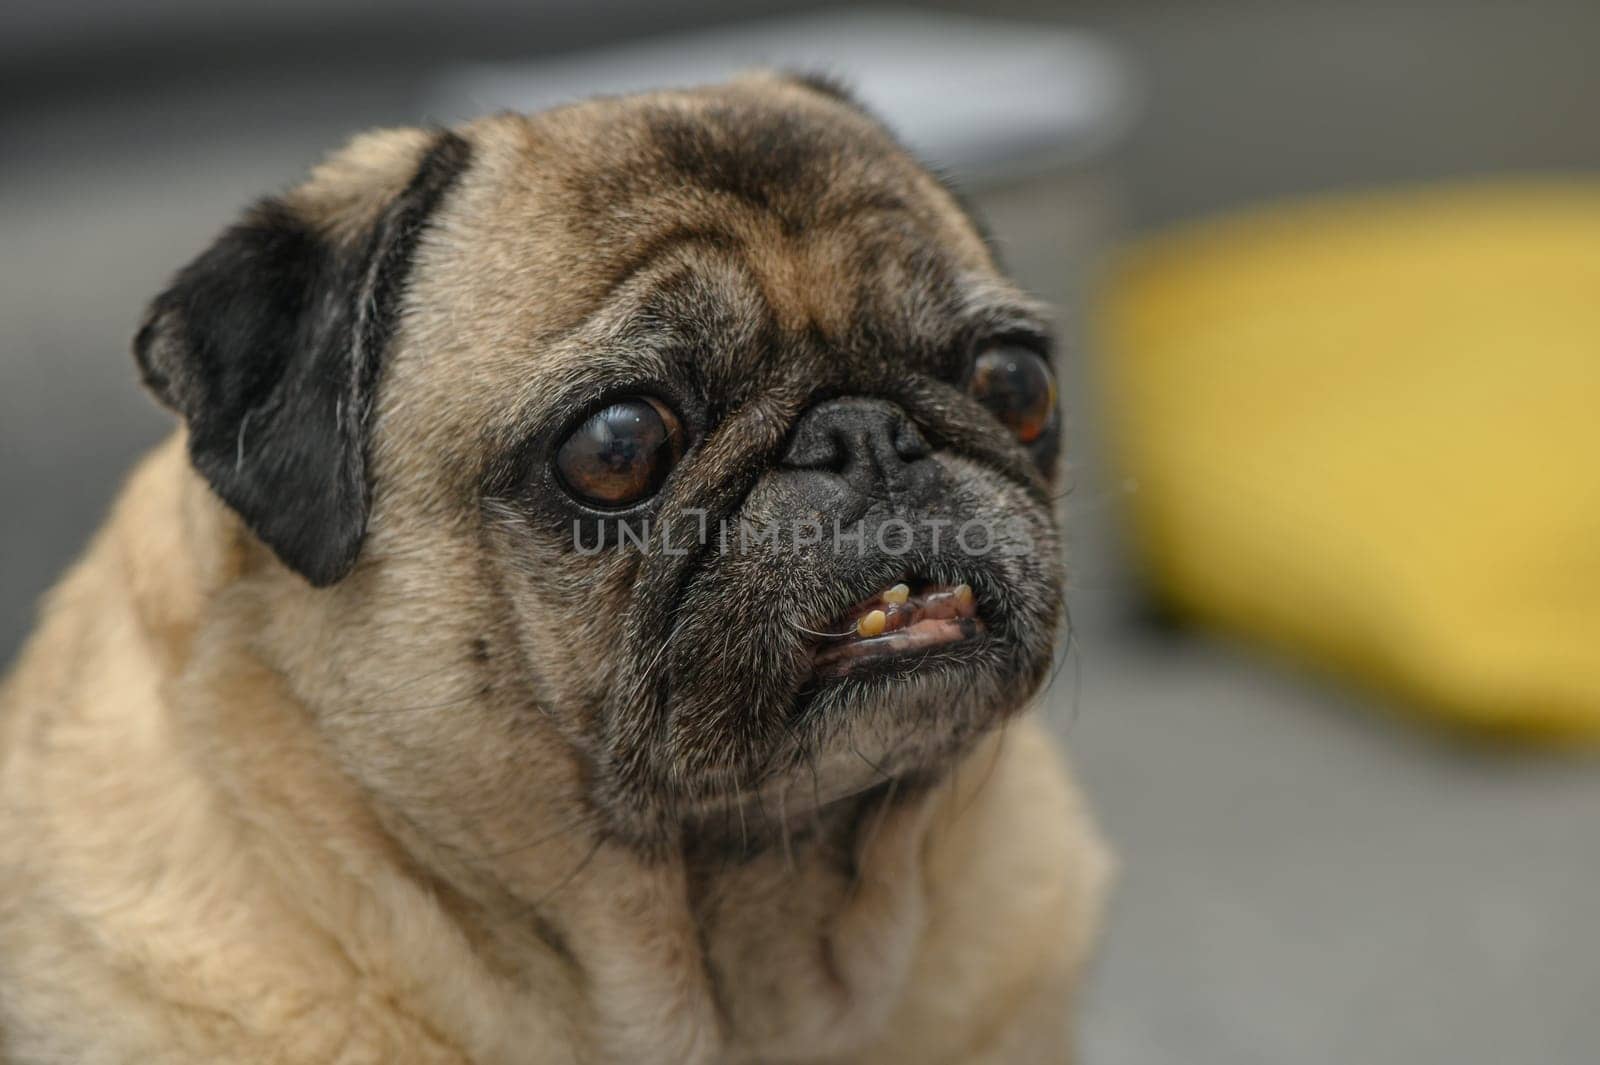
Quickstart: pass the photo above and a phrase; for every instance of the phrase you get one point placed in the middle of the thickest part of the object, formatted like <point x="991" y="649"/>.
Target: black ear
<point x="826" y="83"/>
<point x="270" y="346"/>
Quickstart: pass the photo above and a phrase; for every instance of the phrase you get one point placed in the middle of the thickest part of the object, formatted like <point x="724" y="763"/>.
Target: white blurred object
<point x="980" y="98"/>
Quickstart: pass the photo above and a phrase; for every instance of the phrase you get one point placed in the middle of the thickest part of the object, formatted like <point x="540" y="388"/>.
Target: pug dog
<point x="589" y="613"/>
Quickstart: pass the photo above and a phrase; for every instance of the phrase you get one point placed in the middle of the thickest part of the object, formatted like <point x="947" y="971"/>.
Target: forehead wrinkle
<point x="899" y="296"/>
<point x="580" y="372"/>
<point x="793" y="225"/>
<point x="818" y="281"/>
<point x="717" y="272"/>
<point x="710" y="310"/>
<point x="629" y="174"/>
<point x="721" y="224"/>
<point x="674" y="241"/>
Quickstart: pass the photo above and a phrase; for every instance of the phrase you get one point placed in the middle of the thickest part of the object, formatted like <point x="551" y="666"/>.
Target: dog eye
<point x="1017" y="386"/>
<point x="622" y="453"/>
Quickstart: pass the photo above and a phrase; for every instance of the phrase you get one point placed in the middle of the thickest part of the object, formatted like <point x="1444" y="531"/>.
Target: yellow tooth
<point x="897" y="595"/>
<point x="872" y="623"/>
<point x="963" y="595"/>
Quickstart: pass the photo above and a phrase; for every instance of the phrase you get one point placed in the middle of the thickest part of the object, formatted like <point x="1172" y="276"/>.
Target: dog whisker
<point x="583" y="821"/>
<point x="823" y="635"/>
<point x="567" y="880"/>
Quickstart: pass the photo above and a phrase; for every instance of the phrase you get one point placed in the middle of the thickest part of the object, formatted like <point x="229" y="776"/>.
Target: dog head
<point x="679" y="455"/>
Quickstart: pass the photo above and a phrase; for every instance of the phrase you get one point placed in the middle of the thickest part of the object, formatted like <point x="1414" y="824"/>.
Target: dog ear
<point x="270" y="345"/>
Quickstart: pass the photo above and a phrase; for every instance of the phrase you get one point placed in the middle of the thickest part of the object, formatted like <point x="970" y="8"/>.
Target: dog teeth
<point x="872" y="623"/>
<point x="897" y="595"/>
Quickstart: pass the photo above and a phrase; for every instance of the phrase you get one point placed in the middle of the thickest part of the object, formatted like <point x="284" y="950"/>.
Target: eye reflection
<point x="622" y="453"/>
<point x="1018" y="387"/>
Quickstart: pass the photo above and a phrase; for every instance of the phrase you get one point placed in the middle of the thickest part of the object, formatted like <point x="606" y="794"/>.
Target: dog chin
<point x="878" y="734"/>
<point x="891" y="693"/>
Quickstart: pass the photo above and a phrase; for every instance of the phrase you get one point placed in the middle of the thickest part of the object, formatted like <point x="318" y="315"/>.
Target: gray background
<point x="1306" y="878"/>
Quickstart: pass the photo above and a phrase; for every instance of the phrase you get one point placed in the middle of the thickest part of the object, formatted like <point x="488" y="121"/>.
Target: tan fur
<point x="226" y="833"/>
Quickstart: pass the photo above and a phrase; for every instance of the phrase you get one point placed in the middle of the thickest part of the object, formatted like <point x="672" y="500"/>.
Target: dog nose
<point x="870" y="443"/>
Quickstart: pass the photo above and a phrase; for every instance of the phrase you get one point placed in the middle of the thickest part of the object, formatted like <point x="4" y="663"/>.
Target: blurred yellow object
<point x="1368" y="431"/>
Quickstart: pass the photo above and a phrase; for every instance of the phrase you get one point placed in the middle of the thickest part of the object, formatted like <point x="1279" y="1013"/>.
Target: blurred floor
<point x="1306" y="880"/>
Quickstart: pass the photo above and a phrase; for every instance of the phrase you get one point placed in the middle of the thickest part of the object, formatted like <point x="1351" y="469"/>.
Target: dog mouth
<point x="906" y="618"/>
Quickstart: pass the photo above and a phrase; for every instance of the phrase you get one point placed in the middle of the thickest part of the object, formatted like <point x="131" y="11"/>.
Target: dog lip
<point x="899" y="620"/>
<point x="841" y="658"/>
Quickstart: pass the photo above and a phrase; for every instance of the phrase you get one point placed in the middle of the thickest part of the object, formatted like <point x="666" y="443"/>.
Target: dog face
<point x="680" y="461"/>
